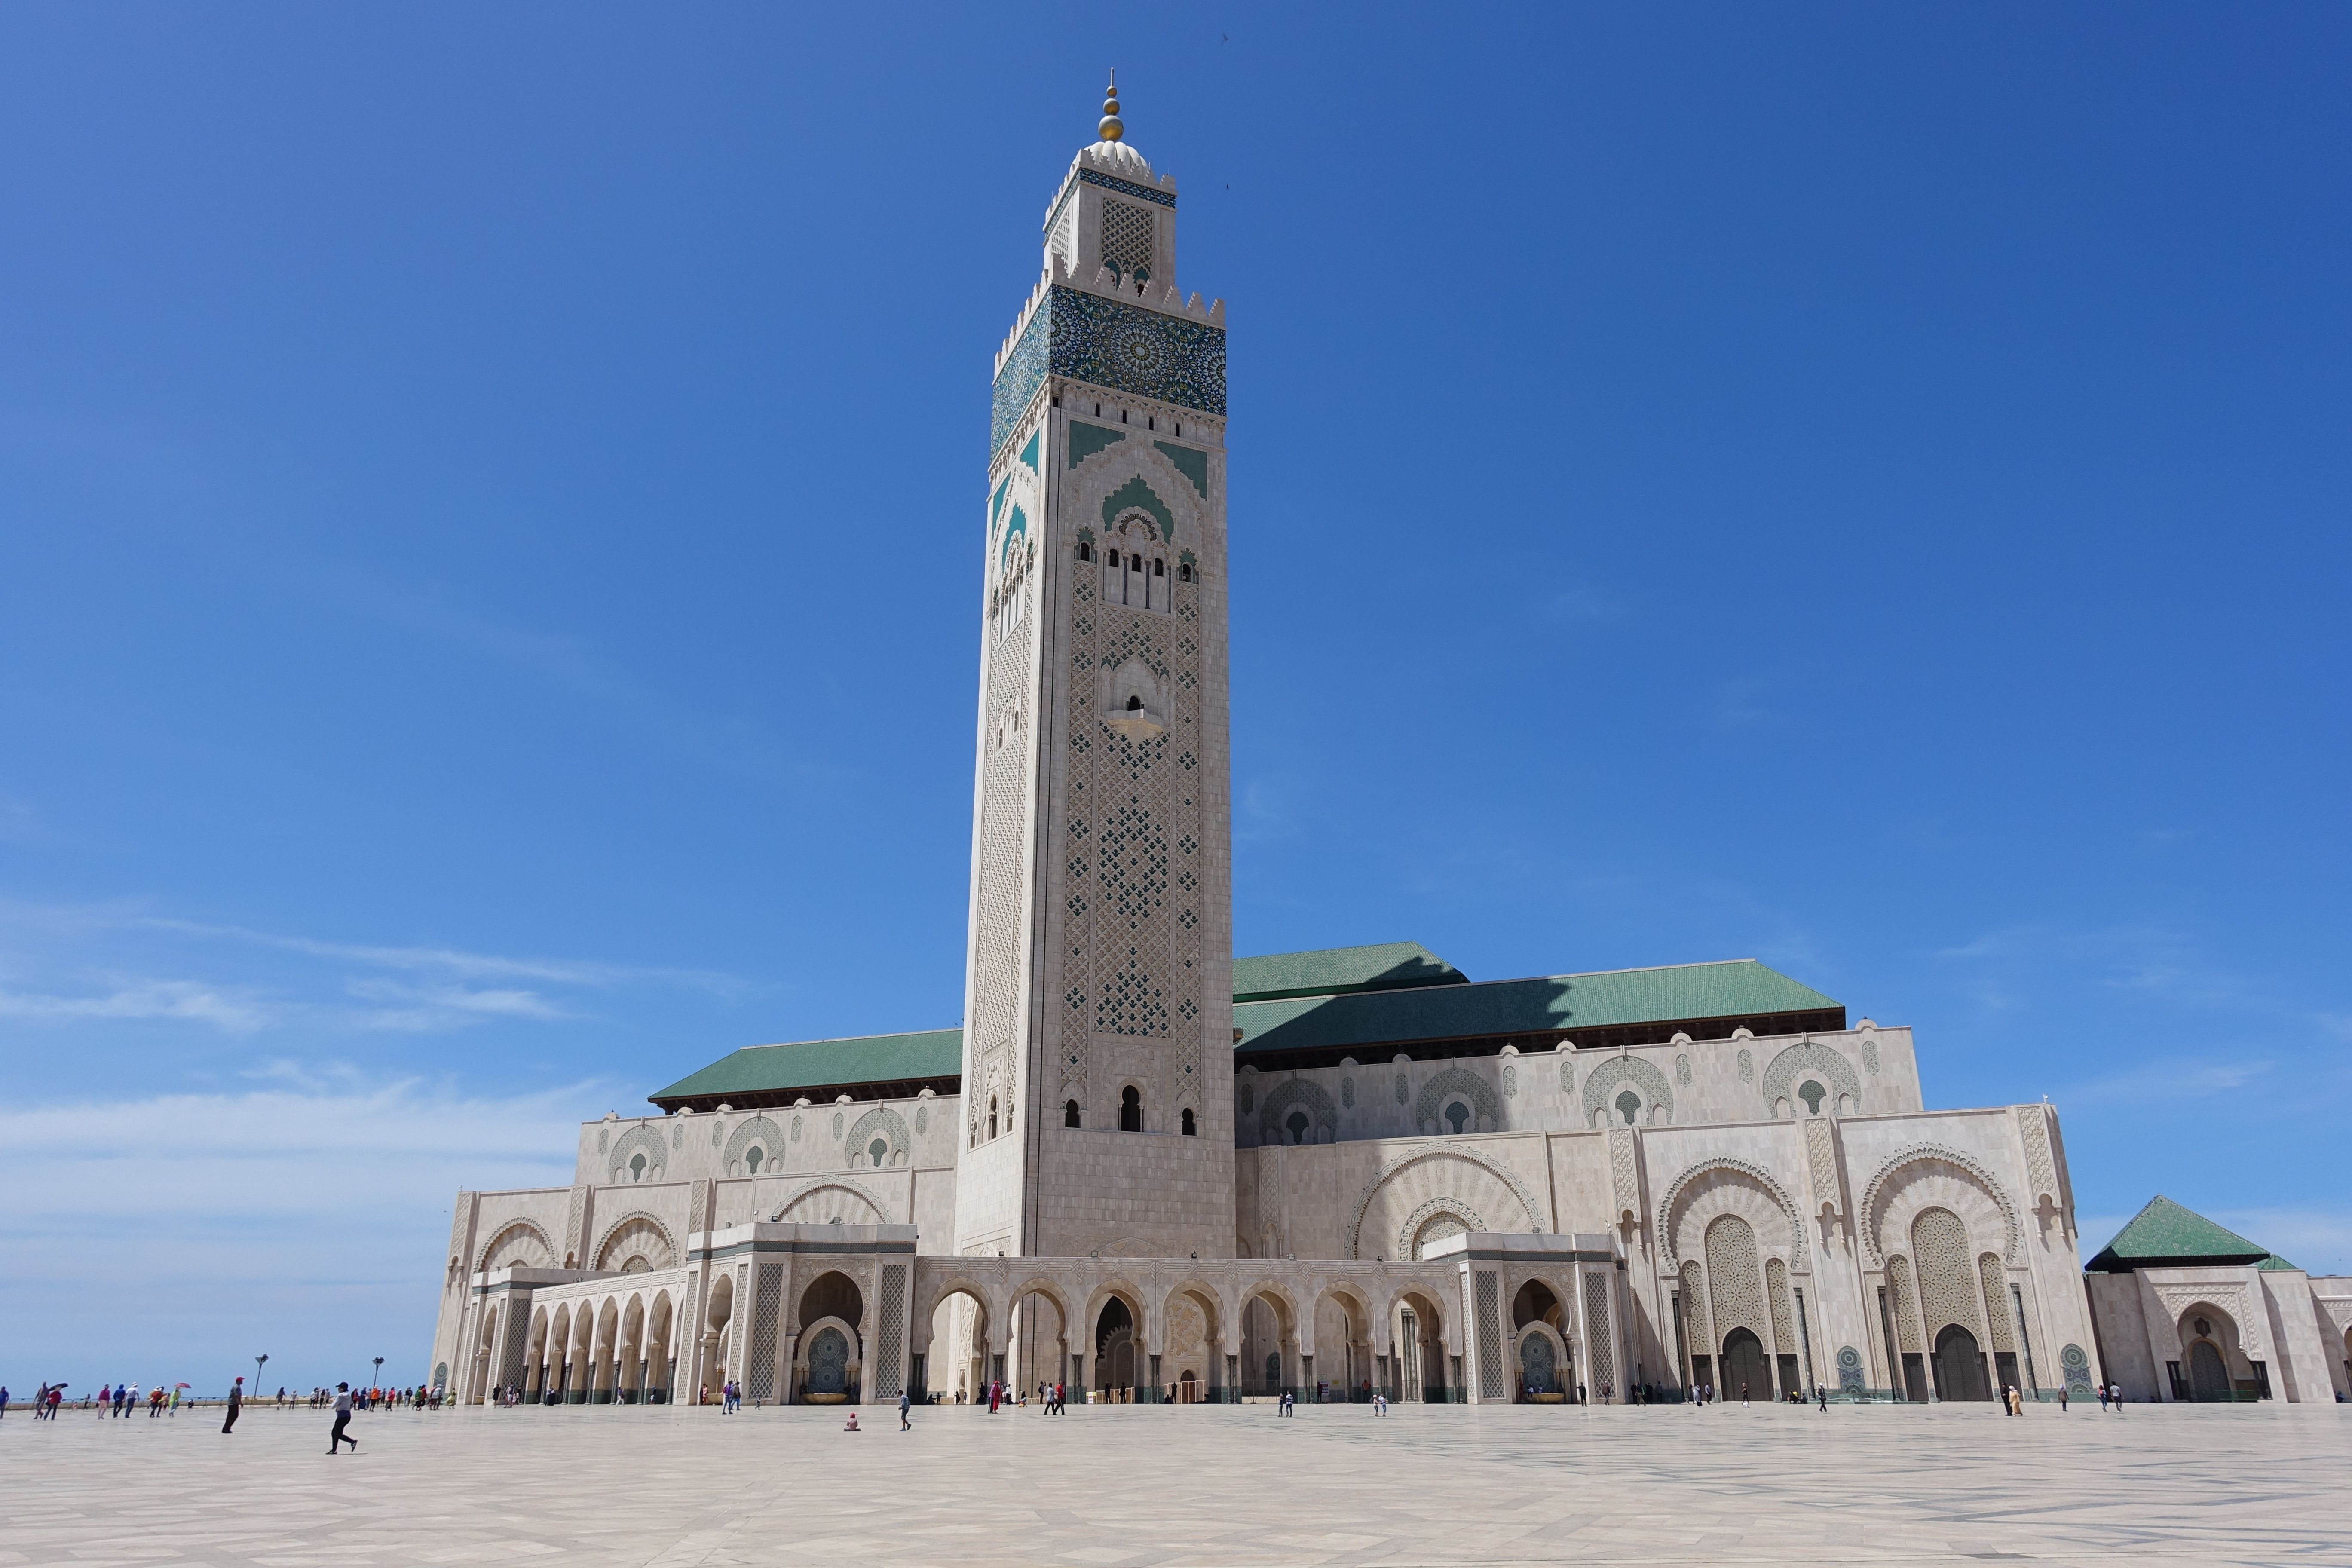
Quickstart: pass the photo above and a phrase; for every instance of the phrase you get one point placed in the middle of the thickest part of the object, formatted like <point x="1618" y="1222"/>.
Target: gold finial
<point x="1111" y="127"/>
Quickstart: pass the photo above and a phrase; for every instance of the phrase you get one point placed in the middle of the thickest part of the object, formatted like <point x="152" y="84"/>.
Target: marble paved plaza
<point x="1200" y="1485"/>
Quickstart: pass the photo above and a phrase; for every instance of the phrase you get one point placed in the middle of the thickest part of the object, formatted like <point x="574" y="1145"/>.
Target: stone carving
<point x="1870" y="1055"/>
<point x="637" y="1235"/>
<point x="1848" y="1370"/>
<point x="1434" y="1221"/>
<point x="2033" y="1131"/>
<point x="2077" y="1368"/>
<point x="1623" y="1178"/>
<point x="1948" y="1285"/>
<point x="1683" y="1069"/>
<point x="1438" y="1170"/>
<point x="517" y="1244"/>
<point x="1877" y="1192"/>
<point x="1445" y="1085"/>
<point x="638" y="1141"/>
<point x="1348" y="1092"/>
<point x="1808" y="1058"/>
<point x="1298" y="1097"/>
<point x="1898" y="1292"/>
<point x="1761" y="1177"/>
<point x="756" y="1132"/>
<point x="1747" y="1065"/>
<point x="1775" y="1291"/>
<point x="1403" y="1089"/>
<point x="1599" y="1348"/>
<point x="2003" y="1320"/>
<point x="1820" y="1159"/>
<point x="828" y="1198"/>
<point x="1644" y="1078"/>
<point x="1510" y="1081"/>
<point x="1737" y="1297"/>
<point x="883" y="1124"/>
<point x="1702" y="1336"/>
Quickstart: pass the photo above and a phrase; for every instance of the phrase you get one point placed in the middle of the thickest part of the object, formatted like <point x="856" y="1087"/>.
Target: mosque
<point x="1154" y="1171"/>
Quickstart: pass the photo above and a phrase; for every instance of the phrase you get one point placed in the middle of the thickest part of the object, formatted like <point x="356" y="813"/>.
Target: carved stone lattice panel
<point x="1733" y="1270"/>
<point x="1776" y="1288"/>
<point x="1600" y="1350"/>
<point x="760" y="1385"/>
<point x="890" y="1333"/>
<point x="1948" y="1283"/>
<point x="1694" y="1319"/>
<point x="1624" y="1177"/>
<point x="1488" y="1315"/>
<point x="2003" y="1316"/>
<point x="999" y="975"/>
<point x="1820" y="1159"/>
<point x="1900" y="1297"/>
<point x="2041" y="1168"/>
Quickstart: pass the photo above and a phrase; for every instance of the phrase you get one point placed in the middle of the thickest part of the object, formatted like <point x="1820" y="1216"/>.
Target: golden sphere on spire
<point x="1111" y="129"/>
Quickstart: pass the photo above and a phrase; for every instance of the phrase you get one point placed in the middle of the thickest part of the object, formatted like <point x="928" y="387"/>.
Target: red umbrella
<point x="184" y="1385"/>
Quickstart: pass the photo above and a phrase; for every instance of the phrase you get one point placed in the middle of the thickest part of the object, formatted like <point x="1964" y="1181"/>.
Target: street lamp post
<point x="258" y="1362"/>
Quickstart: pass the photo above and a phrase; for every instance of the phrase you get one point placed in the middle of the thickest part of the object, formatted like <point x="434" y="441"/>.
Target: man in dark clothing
<point x="336" y="1439"/>
<point x="235" y="1404"/>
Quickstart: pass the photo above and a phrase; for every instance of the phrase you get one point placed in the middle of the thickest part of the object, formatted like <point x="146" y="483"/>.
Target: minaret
<point x="1097" y="1069"/>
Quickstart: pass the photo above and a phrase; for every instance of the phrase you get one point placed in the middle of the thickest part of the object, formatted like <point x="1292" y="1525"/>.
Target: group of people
<point x="45" y="1401"/>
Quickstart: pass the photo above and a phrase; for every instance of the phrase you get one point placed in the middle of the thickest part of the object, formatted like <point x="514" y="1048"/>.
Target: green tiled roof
<point x="1392" y="993"/>
<point x="821" y="1064"/>
<point x="1329" y="971"/>
<point x="2276" y="1261"/>
<point x="1737" y="988"/>
<point x="2164" y="1233"/>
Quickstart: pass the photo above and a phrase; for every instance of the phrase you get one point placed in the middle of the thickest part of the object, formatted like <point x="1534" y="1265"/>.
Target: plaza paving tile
<point x="1143" y="1487"/>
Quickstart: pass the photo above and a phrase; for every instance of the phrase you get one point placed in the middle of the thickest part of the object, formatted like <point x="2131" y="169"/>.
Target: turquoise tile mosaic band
<point x="1114" y="345"/>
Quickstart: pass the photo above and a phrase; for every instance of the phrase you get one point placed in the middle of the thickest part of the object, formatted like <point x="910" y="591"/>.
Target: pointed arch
<point x="1445" y="1085"/>
<point x="1965" y="1175"/>
<point x="1809" y="1057"/>
<point x="756" y="1131"/>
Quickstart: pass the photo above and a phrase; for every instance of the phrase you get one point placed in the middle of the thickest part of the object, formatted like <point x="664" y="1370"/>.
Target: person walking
<point x="2102" y="1399"/>
<point x="904" y="1424"/>
<point x="1821" y="1396"/>
<point x="235" y="1405"/>
<point x="2062" y="1399"/>
<point x="2116" y="1391"/>
<point x="337" y="1439"/>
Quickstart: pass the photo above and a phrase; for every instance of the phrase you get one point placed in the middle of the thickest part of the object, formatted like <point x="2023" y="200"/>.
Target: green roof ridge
<point x="2165" y="1232"/>
<point x="1341" y="971"/>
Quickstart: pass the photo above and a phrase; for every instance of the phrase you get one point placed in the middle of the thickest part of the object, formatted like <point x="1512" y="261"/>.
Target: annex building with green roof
<point x="1145" y="1166"/>
<point x="2187" y="1310"/>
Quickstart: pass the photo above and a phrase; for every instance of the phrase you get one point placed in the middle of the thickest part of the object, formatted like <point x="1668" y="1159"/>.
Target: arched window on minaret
<point x="1069" y="1113"/>
<point x="1130" y="1110"/>
<point x="992" y="1118"/>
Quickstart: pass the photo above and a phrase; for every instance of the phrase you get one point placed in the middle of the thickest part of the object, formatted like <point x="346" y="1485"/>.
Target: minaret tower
<point x="1097" y="1067"/>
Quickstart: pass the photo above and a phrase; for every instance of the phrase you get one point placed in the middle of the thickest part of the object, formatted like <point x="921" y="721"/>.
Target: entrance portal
<point x="828" y="1362"/>
<point x="1539" y="1366"/>
<point x="1115" y="1346"/>
<point x="1746" y="1374"/>
<point x="2207" y="1378"/>
<point x="1959" y="1365"/>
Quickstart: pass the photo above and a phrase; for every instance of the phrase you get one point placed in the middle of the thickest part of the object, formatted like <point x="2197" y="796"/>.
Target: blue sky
<point x="491" y="500"/>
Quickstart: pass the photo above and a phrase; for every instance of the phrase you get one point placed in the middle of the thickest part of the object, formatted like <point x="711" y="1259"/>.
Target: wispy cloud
<point x="2143" y="958"/>
<point x="306" y="1216"/>
<point x="61" y="965"/>
<point x="239" y="1012"/>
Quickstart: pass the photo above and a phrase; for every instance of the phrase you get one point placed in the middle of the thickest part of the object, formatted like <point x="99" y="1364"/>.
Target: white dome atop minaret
<point x="1112" y="152"/>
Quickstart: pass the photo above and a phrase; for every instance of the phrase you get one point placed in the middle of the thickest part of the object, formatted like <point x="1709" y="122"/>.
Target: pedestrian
<point x="235" y="1404"/>
<point x="2102" y="1399"/>
<point x="336" y="1439"/>
<point x="2062" y="1399"/>
<point x="904" y="1424"/>
<point x="1821" y="1396"/>
<point x="1743" y="1396"/>
<point x="2116" y="1391"/>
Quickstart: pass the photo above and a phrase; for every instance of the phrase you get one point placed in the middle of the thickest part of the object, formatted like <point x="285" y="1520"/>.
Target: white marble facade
<point x="1462" y="1220"/>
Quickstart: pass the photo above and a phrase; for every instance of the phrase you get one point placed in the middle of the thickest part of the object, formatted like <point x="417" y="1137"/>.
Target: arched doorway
<point x="1539" y="1366"/>
<point x="1115" y="1346"/>
<point x="1959" y="1365"/>
<point x="828" y="1366"/>
<point x="1746" y="1374"/>
<point x="2209" y="1378"/>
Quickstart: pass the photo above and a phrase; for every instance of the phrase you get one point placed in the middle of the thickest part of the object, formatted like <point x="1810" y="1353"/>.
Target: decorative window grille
<point x="1127" y="233"/>
<point x="1599" y="1353"/>
<point x="765" y="1305"/>
<point x="892" y="1329"/>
